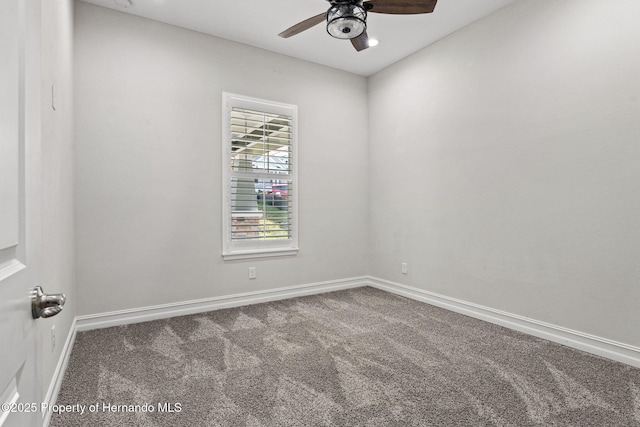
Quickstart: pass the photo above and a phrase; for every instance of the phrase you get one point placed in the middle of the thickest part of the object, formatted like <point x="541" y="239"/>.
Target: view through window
<point x="261" y="185"/>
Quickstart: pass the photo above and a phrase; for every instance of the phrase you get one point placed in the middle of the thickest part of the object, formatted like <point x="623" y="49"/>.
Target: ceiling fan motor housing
<point x="346" y="19"/>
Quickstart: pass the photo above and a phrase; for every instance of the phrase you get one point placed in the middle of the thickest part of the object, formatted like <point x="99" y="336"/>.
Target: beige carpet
<point x="360" y="357"/>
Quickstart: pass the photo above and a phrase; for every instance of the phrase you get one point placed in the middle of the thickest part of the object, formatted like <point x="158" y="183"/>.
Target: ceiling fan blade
<point x="361" y="42"/>
<point x="401" y="7"/>
<point x="304" y="25"/>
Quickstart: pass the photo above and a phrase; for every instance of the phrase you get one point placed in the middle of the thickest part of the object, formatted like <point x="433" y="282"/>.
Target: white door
<point x="20" y="384"/>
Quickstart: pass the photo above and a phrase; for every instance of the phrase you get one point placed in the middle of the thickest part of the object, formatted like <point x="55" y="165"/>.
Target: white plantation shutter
<point x="259" y="178"/>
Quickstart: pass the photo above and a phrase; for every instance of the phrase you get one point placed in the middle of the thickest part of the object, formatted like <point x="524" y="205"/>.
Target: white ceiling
<point x="258" y="23"/>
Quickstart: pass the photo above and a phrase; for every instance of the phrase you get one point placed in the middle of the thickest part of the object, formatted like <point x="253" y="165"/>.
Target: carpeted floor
<point x="360" y="357"/>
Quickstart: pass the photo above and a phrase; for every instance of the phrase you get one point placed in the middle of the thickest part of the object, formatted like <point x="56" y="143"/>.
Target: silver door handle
<point x="45" y="305"/>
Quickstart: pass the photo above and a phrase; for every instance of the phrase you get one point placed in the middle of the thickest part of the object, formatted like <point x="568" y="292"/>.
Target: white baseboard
<point x="589" y="343"/>
<point x="54" y="387"/>
<point x="145" y="314"/>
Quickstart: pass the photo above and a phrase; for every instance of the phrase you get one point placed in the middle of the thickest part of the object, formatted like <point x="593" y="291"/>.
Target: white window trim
<point x="256" y="249"/>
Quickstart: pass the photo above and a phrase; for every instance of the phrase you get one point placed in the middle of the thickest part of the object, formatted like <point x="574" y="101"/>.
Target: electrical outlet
<point x="252" y="272"/>
<point x="404" y="268"/>
<point x="53" y="338"/>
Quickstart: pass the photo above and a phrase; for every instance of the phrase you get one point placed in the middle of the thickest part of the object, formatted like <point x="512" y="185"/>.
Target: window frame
<point x="231" y="249"/>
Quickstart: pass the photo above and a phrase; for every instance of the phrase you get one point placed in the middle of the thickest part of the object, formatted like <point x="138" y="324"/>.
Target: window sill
<point x="230" y="256"/>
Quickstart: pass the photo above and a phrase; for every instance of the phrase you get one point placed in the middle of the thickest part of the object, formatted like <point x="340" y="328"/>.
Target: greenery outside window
<point x="259" y="178"/>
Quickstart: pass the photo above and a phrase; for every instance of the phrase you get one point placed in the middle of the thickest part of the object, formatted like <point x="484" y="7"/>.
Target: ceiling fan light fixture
<point x="346" y="20"/>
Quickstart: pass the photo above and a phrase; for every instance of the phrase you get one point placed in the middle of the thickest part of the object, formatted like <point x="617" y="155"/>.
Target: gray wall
<point x="507" y="165"/>
<point x="501" y="163"/>
<point x="58" y="240"/>
<point x="148" y="135"/>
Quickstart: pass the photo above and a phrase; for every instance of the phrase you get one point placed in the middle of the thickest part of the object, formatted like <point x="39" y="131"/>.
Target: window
<point x="259" y="178"/>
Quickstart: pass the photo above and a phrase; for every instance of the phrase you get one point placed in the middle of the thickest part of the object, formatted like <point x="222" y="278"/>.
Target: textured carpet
<point x="359" y="357"/>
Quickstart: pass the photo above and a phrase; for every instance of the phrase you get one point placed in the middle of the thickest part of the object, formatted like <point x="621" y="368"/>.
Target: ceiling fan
<point x="347" y="19"/>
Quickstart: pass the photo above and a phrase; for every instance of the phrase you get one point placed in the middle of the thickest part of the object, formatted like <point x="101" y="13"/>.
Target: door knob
<point x="45" y="305"/>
